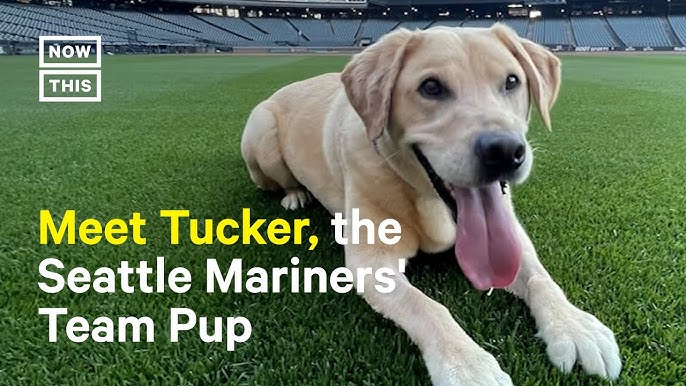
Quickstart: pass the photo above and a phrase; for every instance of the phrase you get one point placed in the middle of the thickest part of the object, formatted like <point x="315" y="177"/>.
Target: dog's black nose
<point x="500" y="152"/>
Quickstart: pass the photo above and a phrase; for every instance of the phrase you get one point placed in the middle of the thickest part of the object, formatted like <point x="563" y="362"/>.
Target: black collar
<point x="436" y="181"/>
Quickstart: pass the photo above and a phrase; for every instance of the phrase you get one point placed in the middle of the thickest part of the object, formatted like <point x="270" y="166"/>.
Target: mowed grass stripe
<point x="605" y="207"/>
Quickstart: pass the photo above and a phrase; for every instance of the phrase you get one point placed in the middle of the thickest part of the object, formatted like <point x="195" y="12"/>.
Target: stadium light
<point x="534" y="14"/>
<point x="514" y="6"/>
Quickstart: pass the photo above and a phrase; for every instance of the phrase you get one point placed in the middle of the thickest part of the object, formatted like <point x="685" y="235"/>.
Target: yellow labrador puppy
<point x="417" y="126"/>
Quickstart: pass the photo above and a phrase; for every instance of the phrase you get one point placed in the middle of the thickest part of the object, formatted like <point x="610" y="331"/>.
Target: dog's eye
<point x="511" y="82"/>
<point x="432" y="89"/>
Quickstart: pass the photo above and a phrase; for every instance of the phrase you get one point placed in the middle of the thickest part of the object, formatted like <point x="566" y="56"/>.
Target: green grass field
<point x="605" y="205"/>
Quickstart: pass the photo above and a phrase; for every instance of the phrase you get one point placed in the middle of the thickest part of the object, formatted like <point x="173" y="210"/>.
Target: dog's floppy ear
<point x="369" y="79"/>
<point x="542" y="69"/>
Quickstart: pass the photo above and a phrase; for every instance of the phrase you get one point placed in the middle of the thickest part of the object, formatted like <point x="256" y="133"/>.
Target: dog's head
<point x="460" y="95"/>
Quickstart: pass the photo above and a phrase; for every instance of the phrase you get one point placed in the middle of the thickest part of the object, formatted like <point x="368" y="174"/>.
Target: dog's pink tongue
<point x="486" y="246"/>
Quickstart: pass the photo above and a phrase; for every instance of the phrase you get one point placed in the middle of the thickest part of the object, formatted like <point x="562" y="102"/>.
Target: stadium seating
<point x="239" y="27"/>
<point x="520" y="25"/>
<point x="314" y="29"/>
<point x="478" y="23"/>
<point x="678" y="24"/>
<point x="374" y="28"/>
<point x="592" y="32"/>
<point x="346" y="30"/>
<point x="25" y="23"/>
<point x="446" y="23"/>
<point x="413" y="25"/>
<point x="552" y="31"/>
<point x="124" y="25"/>
<point x="278" y="29"/>
<point x="639" y="31"/>
<point x="206" y="31"/>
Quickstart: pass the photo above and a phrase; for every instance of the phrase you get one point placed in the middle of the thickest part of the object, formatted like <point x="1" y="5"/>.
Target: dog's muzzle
<point x="439" y="185"/>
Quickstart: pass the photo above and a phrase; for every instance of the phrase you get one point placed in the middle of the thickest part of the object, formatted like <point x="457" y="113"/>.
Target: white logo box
<point x="41" y="86"/>
<point x="91" y="67"/>
<point x="97" y="40"/>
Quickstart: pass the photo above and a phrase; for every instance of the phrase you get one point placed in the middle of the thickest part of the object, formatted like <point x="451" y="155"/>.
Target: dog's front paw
<point x="296" y="198"/>
<point x="575" y="335"/>
<point x="471" y="367"/>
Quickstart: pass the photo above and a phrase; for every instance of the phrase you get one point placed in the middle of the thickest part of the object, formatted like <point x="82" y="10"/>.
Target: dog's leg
<point x="451" y="356"/>
<point x="262" y="153"/>
<point x="570" y="334"/>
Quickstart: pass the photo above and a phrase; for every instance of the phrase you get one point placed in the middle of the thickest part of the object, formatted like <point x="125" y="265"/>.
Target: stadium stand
<point x="520" y="25"/>
<point x="346" y="30"/>
<point x="236" y="26"/>
<point x="413" y="25"/>
<point x="374" y="28"/>
<point x="206" y="31"/>
<point x="593" y="32"/>
<point x="314" y="29"/>
<point x="639" y="31"/>
<point x="277" y="29"/>
<point x="678" y="24"/>
<point x="25" y="23"/>
<point x="552" y="31"/>
<point x="447" y="23"/>
<point x="478" y="23"/>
